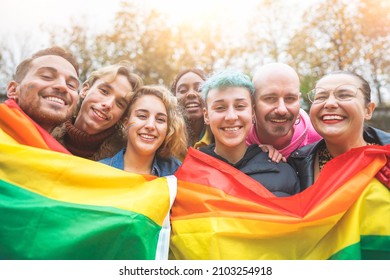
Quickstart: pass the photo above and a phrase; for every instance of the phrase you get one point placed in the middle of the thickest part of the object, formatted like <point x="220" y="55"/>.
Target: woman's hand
<point x="273" y="153"/>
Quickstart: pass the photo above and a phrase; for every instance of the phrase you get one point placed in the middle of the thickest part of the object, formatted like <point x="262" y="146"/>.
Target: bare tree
<point x="13" y="50"/>
<point x="335" y="36"/>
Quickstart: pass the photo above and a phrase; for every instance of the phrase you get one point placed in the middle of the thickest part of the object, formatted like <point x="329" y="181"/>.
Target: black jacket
<point x="278" y="178"/>
<point x="302" y="160"/>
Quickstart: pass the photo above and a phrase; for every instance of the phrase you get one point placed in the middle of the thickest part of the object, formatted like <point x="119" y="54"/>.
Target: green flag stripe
<point x="375" y="247"/>
<point x="36" y="227"/>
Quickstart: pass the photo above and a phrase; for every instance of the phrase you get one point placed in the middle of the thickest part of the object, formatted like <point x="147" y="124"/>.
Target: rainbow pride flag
<point x="57" y="206"/>
<point x="22" y="129"/>
<point x="220" y="213"/>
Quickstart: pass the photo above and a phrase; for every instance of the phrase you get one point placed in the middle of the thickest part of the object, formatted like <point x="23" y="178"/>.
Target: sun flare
<point x="205" y="11"/>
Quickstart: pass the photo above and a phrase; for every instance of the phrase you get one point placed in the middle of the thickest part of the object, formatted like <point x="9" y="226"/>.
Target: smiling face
<point x="104" y="104"/>
<point x="189" y="95"/>
<point x="147" y="126"/>
<point x="276" y="106"/>
<point x="48" y="92"/>
<point x="229" y="113"/>
<point x="336" y="120"/>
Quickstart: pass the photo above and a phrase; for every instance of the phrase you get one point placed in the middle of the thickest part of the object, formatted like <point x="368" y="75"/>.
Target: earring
<point x="298" y="120"/>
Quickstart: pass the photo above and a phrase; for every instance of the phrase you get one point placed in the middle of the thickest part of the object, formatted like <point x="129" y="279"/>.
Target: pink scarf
<point x="304" y="134"/>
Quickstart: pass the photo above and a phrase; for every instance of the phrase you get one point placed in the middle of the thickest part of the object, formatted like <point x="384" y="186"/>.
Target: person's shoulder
<point x="306" y="150"/>
<point x="254" y="151"/>
<point x="206" y="139"/>
<point x="207" y="149"/>
<point x="175" y="161"/>
<point x="254" y="147"/>
<point x="106" y="161"/>
<point x="166" y="166"/>
<point x="255" y="158"/>
<point x="312" y="135"/>
<point x="168" y="161"/>
<point x="376" y="136"/>
<point x="59" y="133"/>
<point x="110" y="146"/>
<point x="112" y="160"/>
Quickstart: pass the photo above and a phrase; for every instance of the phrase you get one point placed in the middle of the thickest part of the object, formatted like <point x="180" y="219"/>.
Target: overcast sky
<point x="19" y="16"/>
<point x="23" y="21"/>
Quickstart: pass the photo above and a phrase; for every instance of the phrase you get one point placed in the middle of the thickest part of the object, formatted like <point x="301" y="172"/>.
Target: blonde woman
<point x="156" y="134"/>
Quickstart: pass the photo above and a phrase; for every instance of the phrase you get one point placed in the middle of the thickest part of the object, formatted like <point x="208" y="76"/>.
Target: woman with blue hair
<point x="229" y="111"/>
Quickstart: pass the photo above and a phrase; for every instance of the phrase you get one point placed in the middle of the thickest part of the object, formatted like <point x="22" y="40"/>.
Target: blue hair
<point x="226" y="79"/>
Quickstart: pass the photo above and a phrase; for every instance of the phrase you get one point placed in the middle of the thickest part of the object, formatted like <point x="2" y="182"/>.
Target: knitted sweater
<point x="95" y="147"/>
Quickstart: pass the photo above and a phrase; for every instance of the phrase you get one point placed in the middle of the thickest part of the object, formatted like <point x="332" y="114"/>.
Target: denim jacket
<point x="160" y="167"/>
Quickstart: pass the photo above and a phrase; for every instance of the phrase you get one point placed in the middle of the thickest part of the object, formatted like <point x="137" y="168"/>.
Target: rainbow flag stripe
<point x="22" y="129"/>
<point x="57" y="206"/>
<point x="220" y="213"/>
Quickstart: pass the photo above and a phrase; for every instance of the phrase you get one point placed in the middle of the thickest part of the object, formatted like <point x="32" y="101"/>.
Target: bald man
<point x="279" y="120"/>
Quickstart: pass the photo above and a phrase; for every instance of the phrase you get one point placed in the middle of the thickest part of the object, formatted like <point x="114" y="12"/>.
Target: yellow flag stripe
<point x="77" y="180"/>
<point x="211" y="237"/>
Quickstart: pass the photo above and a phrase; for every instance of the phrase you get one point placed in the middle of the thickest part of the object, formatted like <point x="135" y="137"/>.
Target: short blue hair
<point x="226" y="79"/>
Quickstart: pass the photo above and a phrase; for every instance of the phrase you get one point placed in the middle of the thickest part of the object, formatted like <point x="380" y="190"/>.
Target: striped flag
<point x="220" y="213"/>
<point x="57" y="206"/>
<point x="20" y="128"/>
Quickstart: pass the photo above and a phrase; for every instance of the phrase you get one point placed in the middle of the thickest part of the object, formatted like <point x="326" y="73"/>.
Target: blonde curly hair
<point x="175" y="142"/>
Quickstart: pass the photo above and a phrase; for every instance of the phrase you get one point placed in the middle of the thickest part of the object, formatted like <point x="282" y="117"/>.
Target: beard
<point x="282" y="131"/>
<point x="48" y="118"/>
<point x="284" y="127"/>
<point x="46" y="114"/>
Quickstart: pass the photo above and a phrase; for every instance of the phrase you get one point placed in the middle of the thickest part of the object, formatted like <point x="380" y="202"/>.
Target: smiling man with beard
<point x="279" y="120"/>
<point x="45" y="87"/>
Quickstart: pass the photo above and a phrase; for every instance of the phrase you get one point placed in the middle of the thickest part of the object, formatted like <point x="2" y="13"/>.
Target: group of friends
<point x="256" y="126"/>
